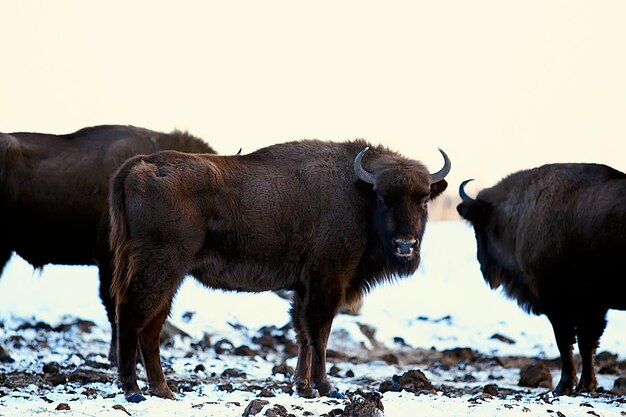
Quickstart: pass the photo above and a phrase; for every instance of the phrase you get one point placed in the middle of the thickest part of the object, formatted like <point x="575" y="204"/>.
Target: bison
<point x="554" y="238"/>
<point x="54" y="195"/>
<point x="326" y="220"/>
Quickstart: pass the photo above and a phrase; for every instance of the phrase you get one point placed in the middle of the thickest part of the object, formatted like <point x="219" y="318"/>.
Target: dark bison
<point x="555" y="238"/>
<point x="54" y="194"/>
<point x="303" y="216"/>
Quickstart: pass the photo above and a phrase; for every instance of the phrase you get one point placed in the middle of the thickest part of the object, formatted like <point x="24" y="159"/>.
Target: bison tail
<point x="119" y="239"/>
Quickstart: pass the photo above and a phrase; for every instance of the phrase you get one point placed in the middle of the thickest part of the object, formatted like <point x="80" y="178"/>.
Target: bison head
<point x="403" y="189"/>
<point x="495" y="236"/>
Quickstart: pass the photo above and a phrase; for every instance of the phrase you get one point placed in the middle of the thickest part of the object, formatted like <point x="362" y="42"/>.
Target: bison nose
<point x="404" y="246"/>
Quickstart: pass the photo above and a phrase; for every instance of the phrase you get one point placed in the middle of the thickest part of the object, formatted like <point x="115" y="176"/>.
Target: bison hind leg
<point x="140" y="317"/>
<point x="149" y="341"/>
<point x="590" y="329"/>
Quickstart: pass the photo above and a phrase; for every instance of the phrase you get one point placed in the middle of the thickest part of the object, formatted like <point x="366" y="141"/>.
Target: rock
<point x="334" y="354"/>
<point x="364" y="404"/>
<point x="266" y="393"/>
<point x="84" y="325"/>
<point x="370" y="333"/>
<point x="187" y="316"/>
<point x="619" y="386"/>
<point x="400" y="341"/>
<point x="51" y="368"/>
<point x="607" y="363"/>
<point x="120" y="408"/>
<point x="416" y="378"/>
<point x="37" y="326"/>
<point x="223" y="346"/>
<point x="390" y="359"/>
<point x="536" y="376"/>
<point x="58" y="379"/>
<point x="284" y="369"/>
<point x="254" y="407"/>
<point x="244" y="350"/>
<point x="233" y="373"/>
<point x="168" y="332"/>
<point x="458" y="355"/>
<point x="503" y="339"/>
<point x="63" y="407"/>
<point x="204" y="343"/>
<point x="412" y="381"/>
<point x="290" y="349"/>
<point x="334" y="370"/>
<point x="87" y="376"/>
<point x="491" y="389"/>
<point x="277" y="411"/>
<point x="353" y="309"/>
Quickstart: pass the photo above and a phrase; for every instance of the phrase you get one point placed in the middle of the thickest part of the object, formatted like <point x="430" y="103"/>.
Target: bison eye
<point x="381" y="201"/>
<point x="425" y="203"/>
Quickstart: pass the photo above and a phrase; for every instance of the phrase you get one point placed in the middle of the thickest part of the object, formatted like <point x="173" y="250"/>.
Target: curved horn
<point x="360" y="171"/>
<point x="462" y="192"/>
<point x="441" y="174"/>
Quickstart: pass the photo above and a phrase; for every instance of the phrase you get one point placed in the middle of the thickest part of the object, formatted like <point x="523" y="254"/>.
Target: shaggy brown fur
<point x="554" y="237"/>
<point x="54" y="195"/>
<point x="292" y="216"/>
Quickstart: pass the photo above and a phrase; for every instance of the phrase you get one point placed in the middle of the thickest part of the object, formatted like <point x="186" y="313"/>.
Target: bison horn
<point x="441" y="174"/>
<point x="462" y="192"/>
<point x="360" y="171"/>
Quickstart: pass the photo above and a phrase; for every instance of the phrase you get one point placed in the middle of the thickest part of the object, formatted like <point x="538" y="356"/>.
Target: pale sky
<point x="499" y="85"/>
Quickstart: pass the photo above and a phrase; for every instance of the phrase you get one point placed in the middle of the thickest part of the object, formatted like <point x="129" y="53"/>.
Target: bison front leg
<point x="320" y="310"/>
<point x="590" y="328"/>
<point x="106" y="275"/>
<point x="565" y="335"/>
<point x="302" y="375"/>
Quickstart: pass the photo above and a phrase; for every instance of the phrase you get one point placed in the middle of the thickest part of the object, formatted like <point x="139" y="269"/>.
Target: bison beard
<point x="325" y="220"/>
<point x="53" y="195"/>
<point x="553" y="237"/>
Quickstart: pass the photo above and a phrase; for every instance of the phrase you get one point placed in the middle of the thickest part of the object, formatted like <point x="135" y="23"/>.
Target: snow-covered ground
<point x="445" y="305"/>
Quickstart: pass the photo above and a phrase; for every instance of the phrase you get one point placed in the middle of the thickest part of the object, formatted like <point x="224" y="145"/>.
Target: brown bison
<point x="555" y="238"/>
<point x="303" y="216"/>
<point x="54" y="195"/>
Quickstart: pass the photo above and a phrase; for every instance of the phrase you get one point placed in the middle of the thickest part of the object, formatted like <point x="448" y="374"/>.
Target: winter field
<point x="236" y="356"/>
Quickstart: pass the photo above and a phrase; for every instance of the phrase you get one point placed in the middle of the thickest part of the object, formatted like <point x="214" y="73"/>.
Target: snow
<point x="445" y="305"/>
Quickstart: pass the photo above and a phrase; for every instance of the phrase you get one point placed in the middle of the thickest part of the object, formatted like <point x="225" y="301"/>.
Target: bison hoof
<point x="588" y="387"/>
<point x="336" y="394"/>
<point x="135" y="398"/>
<point x="307" y="392"/>
<point x="163" y="393"/>
<point x="6" y="359"/>
<point x="324" y="388"/>
<point x="563" y="390"/>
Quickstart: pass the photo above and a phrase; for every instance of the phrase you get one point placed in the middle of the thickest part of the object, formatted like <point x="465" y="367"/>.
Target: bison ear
<point x="363" y="186"/>
<point x="473" y="210"/>
<point x="437" y="188"/>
